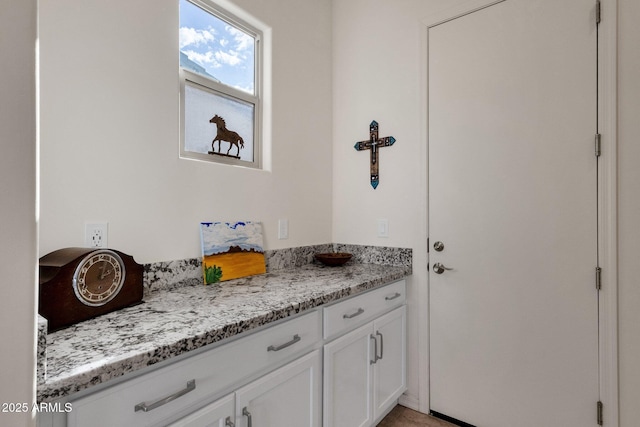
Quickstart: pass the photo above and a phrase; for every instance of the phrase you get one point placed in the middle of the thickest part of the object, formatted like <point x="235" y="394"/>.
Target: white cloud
<point x="224" y="42"/>
<point x="230" y="58"/>
<point x="217" y="237"/>
<point x="203" y="58"/>
<point x="243" y="40"/>
<point x="191" y="36"/>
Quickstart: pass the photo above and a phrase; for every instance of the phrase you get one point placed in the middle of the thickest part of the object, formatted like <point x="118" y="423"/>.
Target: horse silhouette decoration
<point x="225" y="134"/>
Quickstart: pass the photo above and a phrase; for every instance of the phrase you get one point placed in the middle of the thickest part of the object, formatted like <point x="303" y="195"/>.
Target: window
<point x="220" y="99"/>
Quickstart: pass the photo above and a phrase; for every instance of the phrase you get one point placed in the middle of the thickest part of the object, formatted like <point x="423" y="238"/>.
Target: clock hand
<point x="102" y="268"/>
<point x="103" y="271"/>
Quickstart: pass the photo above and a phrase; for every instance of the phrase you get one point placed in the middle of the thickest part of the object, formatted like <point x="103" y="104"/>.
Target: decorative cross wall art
<point x="373" y="144"/>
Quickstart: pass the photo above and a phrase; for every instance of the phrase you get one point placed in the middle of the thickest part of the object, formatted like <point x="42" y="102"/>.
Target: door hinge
<point x="598" y="144"/>
<point x="598" y="12"/>
<point x="599" y="417"/>
<point x="598" y="278"/>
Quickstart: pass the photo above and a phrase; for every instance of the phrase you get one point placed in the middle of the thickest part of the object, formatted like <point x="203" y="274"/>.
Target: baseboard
<point x="410" y="401"/>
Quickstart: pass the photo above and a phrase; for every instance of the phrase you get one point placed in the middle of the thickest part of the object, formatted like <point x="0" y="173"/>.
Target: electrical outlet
<point x="95" y="234"/>
<point x="283" y="229"/>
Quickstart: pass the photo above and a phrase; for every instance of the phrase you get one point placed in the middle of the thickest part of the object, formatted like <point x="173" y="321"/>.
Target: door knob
<point x="438" y="268"/>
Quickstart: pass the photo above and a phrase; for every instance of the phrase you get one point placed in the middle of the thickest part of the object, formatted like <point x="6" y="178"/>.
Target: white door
<point x="289" y="396"/>
<point x="347" y="379"/>
<point x="512" y="197"/>
<point x="389" y="370"/>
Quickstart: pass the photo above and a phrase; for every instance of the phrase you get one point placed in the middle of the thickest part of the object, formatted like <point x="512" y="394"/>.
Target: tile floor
<point x="401" y="416"/>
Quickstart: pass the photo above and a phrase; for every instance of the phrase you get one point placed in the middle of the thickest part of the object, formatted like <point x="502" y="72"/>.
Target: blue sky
<point x="224" y="51"/>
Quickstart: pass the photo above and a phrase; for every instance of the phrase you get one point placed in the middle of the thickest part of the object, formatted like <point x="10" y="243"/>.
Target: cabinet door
<point x="217" y="414"/>
<point x="347" y="379"/>
<point x="289" y="396"/>
<point x="389" y="370"/>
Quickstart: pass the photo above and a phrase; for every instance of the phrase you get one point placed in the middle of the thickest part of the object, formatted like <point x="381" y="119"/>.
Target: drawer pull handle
<point x="248" y="415"/>
<point x="295" y="339"/>
<point x="351" y="316"/>
<point x="228" y="422"/>
<point x="381" y="346"/>
<point x="392" y="297"/>
<point x="375" y="349"/>
<point x="146" y="407"/>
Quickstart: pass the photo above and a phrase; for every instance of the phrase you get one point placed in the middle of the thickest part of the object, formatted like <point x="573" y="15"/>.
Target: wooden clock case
<point x="57" y="301"/>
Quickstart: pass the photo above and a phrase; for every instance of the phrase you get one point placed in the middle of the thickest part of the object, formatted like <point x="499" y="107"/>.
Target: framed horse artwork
<point x="225" y="134"/>
<point x="217" y="128"/>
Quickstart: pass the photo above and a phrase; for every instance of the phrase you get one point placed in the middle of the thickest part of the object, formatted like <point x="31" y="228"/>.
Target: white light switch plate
<point x="383" y="227"/>
<point x="283" y="229"/>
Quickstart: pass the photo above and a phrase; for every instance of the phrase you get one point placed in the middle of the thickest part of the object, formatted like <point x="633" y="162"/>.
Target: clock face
<point x="99" y="277"/>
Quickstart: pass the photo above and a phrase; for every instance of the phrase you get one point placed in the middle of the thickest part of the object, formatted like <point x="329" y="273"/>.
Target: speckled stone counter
<point x="175" y="321"/>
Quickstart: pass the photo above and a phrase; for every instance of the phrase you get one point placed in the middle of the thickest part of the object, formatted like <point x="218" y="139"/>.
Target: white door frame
<point x="608" y="209"/>
<point x="607" y="203"/>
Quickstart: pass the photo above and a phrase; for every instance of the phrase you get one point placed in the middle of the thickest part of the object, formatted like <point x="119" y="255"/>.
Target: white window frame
<point x="188" y="77"/>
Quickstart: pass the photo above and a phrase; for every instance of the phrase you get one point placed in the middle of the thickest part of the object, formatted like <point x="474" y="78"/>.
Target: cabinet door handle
<point x="229" y="423"/>
<point x="375" y="349"/>
<point x="295" y="339"/>
<point x="381" y="346"/>
<point x="248" y="415"/>
<point x="392" y="297"/>
<point x="351" y="316"/>
<point x="146" y="407"/>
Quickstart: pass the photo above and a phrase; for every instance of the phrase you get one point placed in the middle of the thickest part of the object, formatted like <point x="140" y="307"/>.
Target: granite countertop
<point x="173" y="322"/>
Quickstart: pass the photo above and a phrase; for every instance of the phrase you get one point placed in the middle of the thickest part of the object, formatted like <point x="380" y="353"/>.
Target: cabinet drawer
<point x="219" y="413"/>
<point x="182" y="387"/>
<point x="355" y="311"/>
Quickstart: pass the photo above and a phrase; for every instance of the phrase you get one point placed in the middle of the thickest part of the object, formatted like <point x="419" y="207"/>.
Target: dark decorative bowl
<point x="333" y="259"/>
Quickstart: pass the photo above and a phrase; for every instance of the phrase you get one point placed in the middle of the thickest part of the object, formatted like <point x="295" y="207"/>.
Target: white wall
<point x="377" y="76"/>
<point x="378" y="73"/>
<point x="629" y="210"/>
<point x="18" y="228"/>
<point x="109" y="78"/>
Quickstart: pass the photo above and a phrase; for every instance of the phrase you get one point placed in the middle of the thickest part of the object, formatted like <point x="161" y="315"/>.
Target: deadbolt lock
<point x="438" y="246"/>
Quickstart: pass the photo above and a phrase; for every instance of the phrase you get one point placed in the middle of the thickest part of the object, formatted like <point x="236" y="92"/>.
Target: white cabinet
<point x="178" y="389"/>
<point x="289" y="396"/>
<point x="276" y="376"/>
<point x="389" y="370"/>
<point x="347" y="379"/>
<point x="365" y="371"/>
<point x="345" y="315"/>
